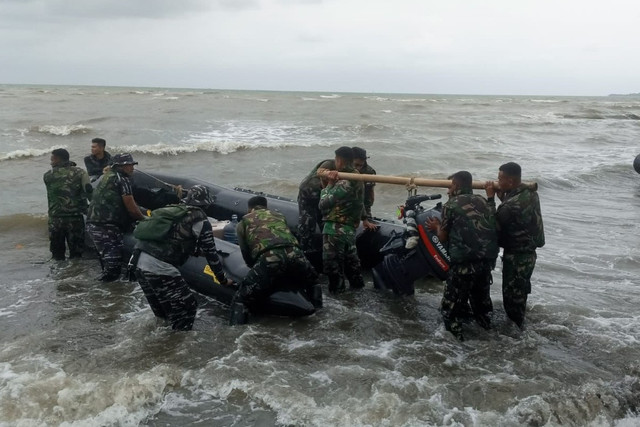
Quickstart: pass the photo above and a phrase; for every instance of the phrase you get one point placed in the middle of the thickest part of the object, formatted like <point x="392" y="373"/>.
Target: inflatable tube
<point x="154" y="190"/>
<point x="636" y="163"/>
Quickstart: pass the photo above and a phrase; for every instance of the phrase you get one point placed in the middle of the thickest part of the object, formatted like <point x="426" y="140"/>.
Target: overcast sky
<point x="500" y="47"/>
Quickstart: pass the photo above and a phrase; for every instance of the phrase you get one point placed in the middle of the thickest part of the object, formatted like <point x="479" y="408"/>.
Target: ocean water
<point x="76" y="352"/>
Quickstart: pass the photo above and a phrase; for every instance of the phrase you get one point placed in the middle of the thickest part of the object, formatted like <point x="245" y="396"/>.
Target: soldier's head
<point x="460" y="181"/>
<point x="123" y="162"/>
<point x="257" y="201"/>
<point x="59" y="156"/>
<point x="97" y="147"/>
<point x="198" y="195"/>
<point x="344" y="157"/>
<point x="359" y="158"/>
<point x="509" y="176"/>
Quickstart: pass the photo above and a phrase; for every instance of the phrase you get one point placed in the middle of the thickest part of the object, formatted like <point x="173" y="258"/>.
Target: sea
<point x="78" y="352"/>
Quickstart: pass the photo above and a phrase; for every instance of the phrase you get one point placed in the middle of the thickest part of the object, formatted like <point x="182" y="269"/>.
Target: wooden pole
<point x="420" y="182"/>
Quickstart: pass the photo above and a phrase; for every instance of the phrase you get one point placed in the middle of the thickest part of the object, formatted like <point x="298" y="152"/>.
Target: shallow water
<point x="78" y="352"/>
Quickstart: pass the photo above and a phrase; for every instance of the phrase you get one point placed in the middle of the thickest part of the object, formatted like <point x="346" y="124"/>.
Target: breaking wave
<point x="28" y="152"/>
<point x="61" y="130"/>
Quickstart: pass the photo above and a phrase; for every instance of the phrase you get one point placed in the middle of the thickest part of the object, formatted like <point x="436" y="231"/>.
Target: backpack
<point x="158" y="226"/>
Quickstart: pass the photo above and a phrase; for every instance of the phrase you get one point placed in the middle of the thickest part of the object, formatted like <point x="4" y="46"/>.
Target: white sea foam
<point x="28" y="152"/>
<point x="62" y="130"/>
<point x="39" y="391"/>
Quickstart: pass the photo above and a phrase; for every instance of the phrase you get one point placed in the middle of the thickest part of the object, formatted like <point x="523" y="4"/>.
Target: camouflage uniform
<point x="342" y="206"/>
<point x="520" y="232"/>
<point x="68" y="190"/>
<point x="310" y="216"/>
<point x="272" y="252"/>
<point x="368" y="192"/>
<point x="95" y="166"/>
<point x="157" y="272"/>
<point x="108" y="218"/>
<point x="472" y="245"/>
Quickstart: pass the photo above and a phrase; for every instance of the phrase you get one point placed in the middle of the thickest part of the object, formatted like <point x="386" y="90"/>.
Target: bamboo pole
<point x="408" y="181"/>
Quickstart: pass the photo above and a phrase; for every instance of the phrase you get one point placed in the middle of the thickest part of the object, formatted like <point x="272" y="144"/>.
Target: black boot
<point x="336" y="284"/>
<point x="356" y="282"/>
<point x="314" y="295"/>
<point x="109" y="276"/>
<point x="238" y="312"/>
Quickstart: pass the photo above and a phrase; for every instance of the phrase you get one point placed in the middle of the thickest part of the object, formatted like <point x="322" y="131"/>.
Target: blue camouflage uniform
<point x="108" y="218"/>
<point x="157" y="272"/>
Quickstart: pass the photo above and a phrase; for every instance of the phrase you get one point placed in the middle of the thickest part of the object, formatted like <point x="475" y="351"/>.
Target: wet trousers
<point x="107" y="239"/>
<point x="69" y="230"/>
<point x="517" y="269"/>
<point x="277" y="269"/>
<point x="459" y="291"/>
<point x="170" y="298"/>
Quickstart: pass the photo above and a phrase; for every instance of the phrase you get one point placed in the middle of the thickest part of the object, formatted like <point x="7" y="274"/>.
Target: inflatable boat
<point x="394" y="267"/>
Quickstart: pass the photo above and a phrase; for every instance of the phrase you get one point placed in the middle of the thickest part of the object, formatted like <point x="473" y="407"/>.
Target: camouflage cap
<point x="123" y="159"/>
<point x="198" y="195"/>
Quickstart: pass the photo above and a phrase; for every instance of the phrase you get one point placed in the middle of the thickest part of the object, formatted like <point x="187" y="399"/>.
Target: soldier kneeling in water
<point x="178" y="232"/>
<point x="275" y="258"/>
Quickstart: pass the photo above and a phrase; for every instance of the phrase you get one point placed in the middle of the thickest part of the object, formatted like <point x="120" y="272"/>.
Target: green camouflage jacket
<point x="261" y="230"/>
<point x="68" y="190"/>
<point x="519" y="221"/>
<point x="311" y="184"/>
<point x="470" y="222"/>
<point x="106" y="205"/>
<point x="342" y="202"/>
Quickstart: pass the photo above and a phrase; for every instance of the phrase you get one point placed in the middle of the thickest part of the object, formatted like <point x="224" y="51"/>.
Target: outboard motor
<point x="414" y="254"/>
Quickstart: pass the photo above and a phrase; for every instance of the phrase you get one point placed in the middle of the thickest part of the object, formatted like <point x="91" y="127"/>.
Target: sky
<point x="490" y="47"/>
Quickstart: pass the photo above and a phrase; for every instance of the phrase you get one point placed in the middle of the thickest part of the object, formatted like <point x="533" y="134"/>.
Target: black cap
<point x="359" y="153"/>
<point x="123" y="159"/>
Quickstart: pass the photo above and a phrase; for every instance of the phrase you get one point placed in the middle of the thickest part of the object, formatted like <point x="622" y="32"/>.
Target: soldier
<point x="68" y="191"/>
<point x="520" y="232"/>
<point x="275" y="258"/>
<point x="111" y="211"/>
<point x="360" y="163"/>
<point x="310" y="216"/>
<point x="341" y="203"/>
<point x="165" y="242"/>
<point x="468" y="228"/>
<point x="98" y="159"/>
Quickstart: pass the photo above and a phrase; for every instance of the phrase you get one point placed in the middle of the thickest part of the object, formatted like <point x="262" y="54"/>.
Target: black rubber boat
<point x="394" y="268"/>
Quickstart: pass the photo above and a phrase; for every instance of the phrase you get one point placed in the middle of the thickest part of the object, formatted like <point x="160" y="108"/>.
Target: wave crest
<point x="28" y="152"/>
<point x="61" y="130"/>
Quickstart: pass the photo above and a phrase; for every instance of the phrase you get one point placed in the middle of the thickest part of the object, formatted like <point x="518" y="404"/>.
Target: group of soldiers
<point x="471" y="227"/>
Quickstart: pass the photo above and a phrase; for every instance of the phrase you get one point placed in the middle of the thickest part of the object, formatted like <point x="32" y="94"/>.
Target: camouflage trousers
<point x="107" y="239"/>
<point x="462" y="289"/>
<point x="277" y="269"/>
<point x="170" y="298"/>
<point x="340" y="260"/>
<point x="517" y="269"/>
<point x="309" y="218"/>
<point x="69" y="229"/>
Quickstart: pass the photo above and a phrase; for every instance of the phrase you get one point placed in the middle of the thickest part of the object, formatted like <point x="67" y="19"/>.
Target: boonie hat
<point x="123" y="159"/>
<point x="198" y="195"/>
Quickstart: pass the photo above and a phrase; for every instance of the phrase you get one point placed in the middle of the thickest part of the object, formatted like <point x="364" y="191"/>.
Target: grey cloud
<point x="61" y="10"/>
